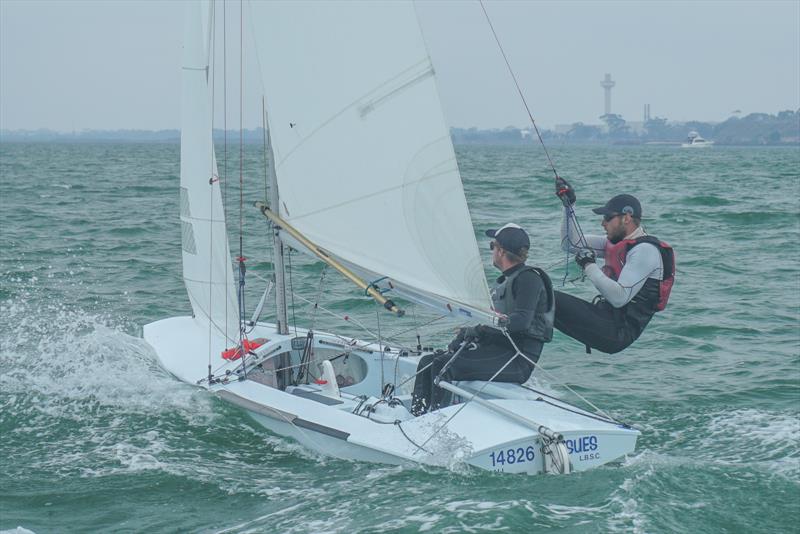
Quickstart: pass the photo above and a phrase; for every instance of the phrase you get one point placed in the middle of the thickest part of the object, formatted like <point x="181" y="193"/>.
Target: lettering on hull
<point x="501" y="459"/>
<point x="585" y="447"/>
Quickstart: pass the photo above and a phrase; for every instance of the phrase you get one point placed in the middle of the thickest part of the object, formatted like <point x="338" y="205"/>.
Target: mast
<point x="281" y="320"/>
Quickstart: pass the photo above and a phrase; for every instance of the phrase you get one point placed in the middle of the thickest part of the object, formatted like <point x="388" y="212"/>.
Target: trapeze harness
<point x="653" y="295"/>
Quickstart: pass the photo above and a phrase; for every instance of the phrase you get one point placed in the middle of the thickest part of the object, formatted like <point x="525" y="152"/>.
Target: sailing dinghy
<point x="355" y="134"/>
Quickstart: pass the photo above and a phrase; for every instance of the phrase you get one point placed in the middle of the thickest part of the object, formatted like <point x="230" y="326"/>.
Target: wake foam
<point x="767" y="440"/>
<point x="71" y="361"/>
<point x="82" y="397"/>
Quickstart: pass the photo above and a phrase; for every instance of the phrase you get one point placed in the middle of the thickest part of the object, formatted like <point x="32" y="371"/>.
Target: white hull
<point x="695" y="141"/>
<point x="702" y="144"/>
<point x="325" y="421"/>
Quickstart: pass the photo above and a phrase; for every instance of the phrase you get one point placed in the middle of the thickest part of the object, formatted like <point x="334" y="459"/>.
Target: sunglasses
<point x="608" y="217"/>
<point x="493" y="245"/>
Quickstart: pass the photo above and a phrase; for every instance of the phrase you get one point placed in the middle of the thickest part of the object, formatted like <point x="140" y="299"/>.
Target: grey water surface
<point x="94" y="436"/>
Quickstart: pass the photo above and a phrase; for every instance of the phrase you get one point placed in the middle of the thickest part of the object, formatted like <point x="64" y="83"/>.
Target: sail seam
<point x="423" y="178"/>
<point x="205" y="282"/>
<point x="202" y="219"/>
<point x="349" y="106"/>
<point x="369" y="107"/>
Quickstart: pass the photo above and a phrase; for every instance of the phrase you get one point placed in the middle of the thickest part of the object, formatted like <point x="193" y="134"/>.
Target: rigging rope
<point x="241" y="134"/>
<point x="519" y="90"/>
<point x="291" y="291"/>
<point x="224" y="145"/>
<point x="212" y="37"/>
<point x="380" y="343"/>
<point x="570" y="212"/>
<point x="416" y="327"/>
<point x="241" y="258"/>
<point x="264" y="131"/>
<point x="319" y="293"/>
<point x="346" y="318"/>
<point x="545" y="371"/>
<point x="349" y="318"/>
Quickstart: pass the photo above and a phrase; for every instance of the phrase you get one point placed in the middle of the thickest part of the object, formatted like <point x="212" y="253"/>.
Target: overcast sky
<point x="69" y="65"/>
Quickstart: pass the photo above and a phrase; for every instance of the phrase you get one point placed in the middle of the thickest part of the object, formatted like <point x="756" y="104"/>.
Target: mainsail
<point x="207" y="270"/>
<point x="364" y="162"/>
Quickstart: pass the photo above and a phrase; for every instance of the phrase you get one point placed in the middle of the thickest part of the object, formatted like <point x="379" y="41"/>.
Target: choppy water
<point x="95" y="437"/>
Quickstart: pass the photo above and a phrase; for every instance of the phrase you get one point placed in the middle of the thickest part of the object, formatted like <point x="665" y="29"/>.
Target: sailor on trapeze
<point x="634" y="282"/>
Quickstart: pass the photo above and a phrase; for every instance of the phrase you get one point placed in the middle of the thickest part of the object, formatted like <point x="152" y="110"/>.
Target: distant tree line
<point x="250" y="136"/>
<point x="754" y="129"/>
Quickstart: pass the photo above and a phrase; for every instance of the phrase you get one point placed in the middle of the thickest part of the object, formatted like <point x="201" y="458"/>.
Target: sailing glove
<point x="467" y="333"/>
<point x="472" y="333"/>
<point x="584" y="257"/>
<point x="456" y="343"/>
<point x="565" y="192"/>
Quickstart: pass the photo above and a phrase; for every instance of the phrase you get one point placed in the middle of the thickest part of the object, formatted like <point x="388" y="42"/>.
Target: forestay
<point x="365" y="166"/>
<point x="207" y="270"/>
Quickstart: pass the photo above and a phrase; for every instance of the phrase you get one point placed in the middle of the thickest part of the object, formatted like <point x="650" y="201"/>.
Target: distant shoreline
<point x="756" y="129"/>
<point x="456" y="143"/>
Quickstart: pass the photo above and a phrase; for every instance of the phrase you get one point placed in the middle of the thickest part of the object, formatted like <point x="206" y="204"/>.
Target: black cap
<point x="511" y="237"/>
<point x="621" y="204"/>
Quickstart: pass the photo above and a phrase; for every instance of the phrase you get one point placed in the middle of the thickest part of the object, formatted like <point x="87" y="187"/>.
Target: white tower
<point x="607" y="84"/>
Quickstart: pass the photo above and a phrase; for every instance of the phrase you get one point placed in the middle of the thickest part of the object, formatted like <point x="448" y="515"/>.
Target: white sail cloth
<point x="364" y="162"/>
<point x="207" y="270"/>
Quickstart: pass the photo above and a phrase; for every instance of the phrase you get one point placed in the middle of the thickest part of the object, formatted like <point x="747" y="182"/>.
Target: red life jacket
<point x="234" y="353"/>
<point x="615" y="254"/>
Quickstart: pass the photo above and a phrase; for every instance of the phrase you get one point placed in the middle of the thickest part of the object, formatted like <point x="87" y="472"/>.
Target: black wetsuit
<point x="601" y="326"/>
<point x="530" y="299"/>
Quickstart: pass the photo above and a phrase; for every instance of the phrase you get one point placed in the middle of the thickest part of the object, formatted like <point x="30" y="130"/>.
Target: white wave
<point x="93" y="399"/>
<point x="766" y="439"/>
<point x="770" y="429"/>
<point x="67" y="359"/>
<point x="442" y="447"/>
<point x="255" y="525"/>
<point x="381" y="472"/>
<point x="746" y="438"/>
<point x="292" y="447"/>
<point x="421" y="522"/>
<point x="628" y="516"/>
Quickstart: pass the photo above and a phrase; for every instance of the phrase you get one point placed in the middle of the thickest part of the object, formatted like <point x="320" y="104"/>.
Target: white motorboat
<point x="355" y="133"/>
<point x="695" y="141"/>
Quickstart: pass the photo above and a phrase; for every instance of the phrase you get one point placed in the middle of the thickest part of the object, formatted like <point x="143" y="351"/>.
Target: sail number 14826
<point x="513" y="456"/>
